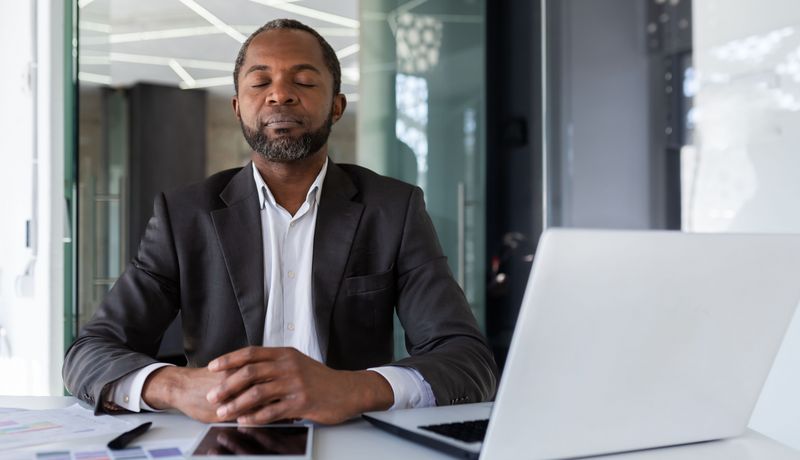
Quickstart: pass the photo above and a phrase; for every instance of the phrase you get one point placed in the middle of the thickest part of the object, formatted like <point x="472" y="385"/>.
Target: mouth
<point x="282" y="122"/>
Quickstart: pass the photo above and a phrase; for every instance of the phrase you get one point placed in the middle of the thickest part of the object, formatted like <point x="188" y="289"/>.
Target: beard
<point x="285" y="148"/>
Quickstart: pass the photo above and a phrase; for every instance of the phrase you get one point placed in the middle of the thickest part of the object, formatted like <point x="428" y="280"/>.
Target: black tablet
<point x="287" y="442"/>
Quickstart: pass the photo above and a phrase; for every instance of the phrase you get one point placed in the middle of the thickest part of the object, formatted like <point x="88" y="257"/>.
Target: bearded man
<point x="286" y="274"/>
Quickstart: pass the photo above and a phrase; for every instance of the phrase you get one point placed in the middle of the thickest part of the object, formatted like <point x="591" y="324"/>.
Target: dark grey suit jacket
<point x="375" y="250"/>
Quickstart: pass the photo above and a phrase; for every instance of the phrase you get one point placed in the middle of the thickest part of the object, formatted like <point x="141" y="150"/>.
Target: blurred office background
<point x="512" y="115"/>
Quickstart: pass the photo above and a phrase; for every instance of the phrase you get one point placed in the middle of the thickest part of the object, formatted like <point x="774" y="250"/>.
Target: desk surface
<point x="358" y="440"/>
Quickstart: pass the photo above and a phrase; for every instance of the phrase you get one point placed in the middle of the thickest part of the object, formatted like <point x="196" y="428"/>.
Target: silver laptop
<point x="628" y="340"/>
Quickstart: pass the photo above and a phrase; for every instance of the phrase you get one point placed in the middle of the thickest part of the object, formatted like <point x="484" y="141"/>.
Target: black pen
<point x="125" y="438"/>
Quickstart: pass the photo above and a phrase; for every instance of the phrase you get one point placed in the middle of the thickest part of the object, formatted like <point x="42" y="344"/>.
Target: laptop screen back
<point x="630" y="340"/>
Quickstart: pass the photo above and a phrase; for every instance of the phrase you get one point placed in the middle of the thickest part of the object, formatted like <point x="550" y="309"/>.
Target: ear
<point x="339" y="104"/>
<point x="235" y="105"/>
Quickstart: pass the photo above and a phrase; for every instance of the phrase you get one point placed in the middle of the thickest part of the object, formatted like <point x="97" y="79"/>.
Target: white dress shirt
<point x="288" y="253"/>
<point x="288" y="242"/>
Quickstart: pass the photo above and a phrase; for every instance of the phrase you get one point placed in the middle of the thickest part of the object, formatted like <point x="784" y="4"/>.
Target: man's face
<point x="286" y="104"/>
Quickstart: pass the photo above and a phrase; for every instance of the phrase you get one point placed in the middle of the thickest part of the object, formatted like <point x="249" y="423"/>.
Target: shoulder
<point x="372" y="186"/>
<point x="205" y="193"/>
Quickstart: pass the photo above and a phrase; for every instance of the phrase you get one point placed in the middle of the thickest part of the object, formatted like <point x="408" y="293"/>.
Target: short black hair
<point x="331" y="61"/>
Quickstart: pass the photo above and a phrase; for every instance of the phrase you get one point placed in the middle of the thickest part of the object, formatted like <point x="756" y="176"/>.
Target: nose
<point x="282" y="93"/>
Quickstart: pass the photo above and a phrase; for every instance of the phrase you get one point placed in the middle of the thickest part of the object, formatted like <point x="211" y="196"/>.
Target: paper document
<point x="132" y="453"/>
<point x="32" y="427"/>
<point x="148" y="451"/>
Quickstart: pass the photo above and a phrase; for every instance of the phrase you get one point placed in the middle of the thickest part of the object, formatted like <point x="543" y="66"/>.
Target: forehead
<point x="284" y="47"/>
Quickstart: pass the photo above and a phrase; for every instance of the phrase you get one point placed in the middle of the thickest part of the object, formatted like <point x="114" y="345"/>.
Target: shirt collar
<point x="265" y="194"/>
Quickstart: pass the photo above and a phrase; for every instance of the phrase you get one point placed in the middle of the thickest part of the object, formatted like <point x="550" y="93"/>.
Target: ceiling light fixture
<point x="348" y="51"/>
<point x="94" y="26"/>
<point x="160" y="60"/>
<point x="95" y="60"/>
<point x="178" y="69"/>
<point x="337" y="31"/>
<point x="162" y="34"/>
<point x="351" y="75"/>
<point x="94" y="78"/>
<point x="217" y="22"/>
<point x="209" y="82"/>
<point x="309" y="12"/>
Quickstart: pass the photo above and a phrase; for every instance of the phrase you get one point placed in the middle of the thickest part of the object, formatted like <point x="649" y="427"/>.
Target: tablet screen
<point x="253" y="441"/>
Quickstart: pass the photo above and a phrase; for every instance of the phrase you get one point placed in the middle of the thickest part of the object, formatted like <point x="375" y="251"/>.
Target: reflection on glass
<point x="422" y="120"/>
<point x="740" y="169"/>
<point x="419" y="39"/>
<point x="412" y="119"/>
<point x="171" y="46"/>
<point x="272" y="440"/>
<point x="414" y="71"/>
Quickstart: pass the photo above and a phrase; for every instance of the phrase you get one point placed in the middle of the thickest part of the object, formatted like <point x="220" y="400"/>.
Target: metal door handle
<point x="462" y="204"/>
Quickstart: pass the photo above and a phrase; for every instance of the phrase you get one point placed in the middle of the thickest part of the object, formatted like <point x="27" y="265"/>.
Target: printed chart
<point x="33" y="427"/>
<point x="133" y="453"/>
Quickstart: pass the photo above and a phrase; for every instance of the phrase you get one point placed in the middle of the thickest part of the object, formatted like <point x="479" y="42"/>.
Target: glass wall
<point x="422" y="119"/>
<point x="181" y="53"/>
<point x="413" y="74"/>
<point x="679" y="114"/>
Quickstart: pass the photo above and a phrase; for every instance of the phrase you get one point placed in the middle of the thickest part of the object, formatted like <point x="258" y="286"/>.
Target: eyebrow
<point x="295" y="68"/>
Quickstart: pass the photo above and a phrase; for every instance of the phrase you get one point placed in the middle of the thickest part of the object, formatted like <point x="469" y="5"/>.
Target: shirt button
<point x="291" y="274"/>
<point x="126" y="398"/>
<point x="290" y="326"/>
<point x="291" y="224"/>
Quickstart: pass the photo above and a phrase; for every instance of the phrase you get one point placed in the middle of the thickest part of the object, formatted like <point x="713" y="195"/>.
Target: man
<point x="281" y="266"/>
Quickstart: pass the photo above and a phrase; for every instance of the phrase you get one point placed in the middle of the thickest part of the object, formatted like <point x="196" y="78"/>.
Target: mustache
<point x="281" y="115"/>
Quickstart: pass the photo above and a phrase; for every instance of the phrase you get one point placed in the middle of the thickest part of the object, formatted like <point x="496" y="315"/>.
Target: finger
<point x="244" y="356"/>
<point x="241" y="380"/>
<point x="251" y="399"/>
<point x="269" y="413"/>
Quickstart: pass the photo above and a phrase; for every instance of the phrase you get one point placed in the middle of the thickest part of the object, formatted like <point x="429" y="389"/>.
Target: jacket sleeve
<point x="442" y="336"/>
<point x="125" y="333"/>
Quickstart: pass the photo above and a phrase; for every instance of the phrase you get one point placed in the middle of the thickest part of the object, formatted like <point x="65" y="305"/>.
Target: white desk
<point x="357" y="440"/>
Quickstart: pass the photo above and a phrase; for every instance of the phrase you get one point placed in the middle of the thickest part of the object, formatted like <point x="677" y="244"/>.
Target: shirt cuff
<point x="127" y="391"/>
<point x="409" y="387"/>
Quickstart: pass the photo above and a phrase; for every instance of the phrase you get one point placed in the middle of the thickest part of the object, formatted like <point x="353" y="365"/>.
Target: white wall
<point x="17" y="306"/>
<point x="31" y="182"/>
<point x="743" y="174"/>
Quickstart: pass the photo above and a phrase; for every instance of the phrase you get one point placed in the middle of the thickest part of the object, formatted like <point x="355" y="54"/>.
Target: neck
<point x="289" y="181"/>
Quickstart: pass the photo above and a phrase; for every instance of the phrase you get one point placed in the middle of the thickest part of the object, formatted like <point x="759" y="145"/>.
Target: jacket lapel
<point x="337" y="220"/>
<point x="238" y="228"/>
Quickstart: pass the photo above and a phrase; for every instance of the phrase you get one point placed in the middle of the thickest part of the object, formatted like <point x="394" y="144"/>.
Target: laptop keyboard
<point x="469" y="431"/>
